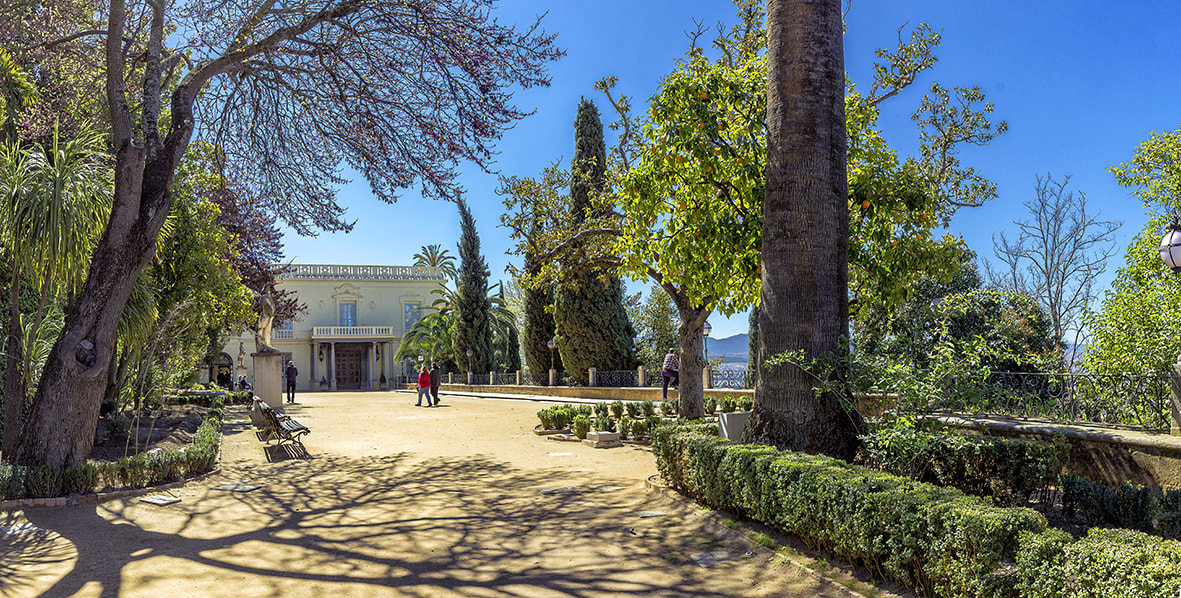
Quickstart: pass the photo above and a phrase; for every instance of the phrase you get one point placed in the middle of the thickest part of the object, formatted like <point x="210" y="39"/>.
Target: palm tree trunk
<point x="804" y="297"/>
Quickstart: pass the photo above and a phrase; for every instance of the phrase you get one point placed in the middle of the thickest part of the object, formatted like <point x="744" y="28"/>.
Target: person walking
<point x="424" y="387"/>
<point x="291" y="374"/>
<point x="436" y="379"/>
<point x="669" y="372"/>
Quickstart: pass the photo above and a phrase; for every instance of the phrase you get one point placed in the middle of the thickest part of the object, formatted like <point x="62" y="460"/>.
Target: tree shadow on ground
<point x="471" y="526"/>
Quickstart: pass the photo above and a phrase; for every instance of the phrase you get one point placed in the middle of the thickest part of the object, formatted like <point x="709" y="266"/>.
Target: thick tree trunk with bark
<point x="690" y="338"/>
<point x="804" y="298"/>
<point x="61" y="425"/>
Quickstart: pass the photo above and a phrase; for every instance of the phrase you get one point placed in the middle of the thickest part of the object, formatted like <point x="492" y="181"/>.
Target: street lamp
<point x="469" y="360"/>
<point x="550" y="344"/>
<point x="1170" y="247"/>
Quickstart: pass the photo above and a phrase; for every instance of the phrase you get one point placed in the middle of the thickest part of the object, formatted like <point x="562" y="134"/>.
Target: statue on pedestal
<point x="265" y="304"/>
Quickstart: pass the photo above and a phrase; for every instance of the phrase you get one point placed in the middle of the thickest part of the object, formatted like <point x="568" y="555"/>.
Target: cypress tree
<point x="592" y="327"/>
<point x="473" y="308"/>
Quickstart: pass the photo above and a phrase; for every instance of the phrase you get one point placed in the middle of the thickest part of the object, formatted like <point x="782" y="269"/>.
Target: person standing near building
<point x="424" y="387"/>
<point x="291" y="373"/>
<point x="669" y="372"/>
<point x="436" y="379"/>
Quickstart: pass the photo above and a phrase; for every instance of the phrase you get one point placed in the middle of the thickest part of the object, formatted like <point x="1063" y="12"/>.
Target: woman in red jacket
<point x="424" y="387"/>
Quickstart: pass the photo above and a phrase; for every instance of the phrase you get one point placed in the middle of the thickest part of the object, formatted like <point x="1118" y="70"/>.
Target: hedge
<point x="1107" y="563"/>
<point x="136" y="471"/>
<point x="1128" y="505"/>
<point x="933" y="539"/>
<point x="1010" y="470"/>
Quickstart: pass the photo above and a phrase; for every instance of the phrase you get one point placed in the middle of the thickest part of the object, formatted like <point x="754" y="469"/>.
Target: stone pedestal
<point x="730" y="425"/>
<point x="268" y="378"/>
<point x="602" y="439"/>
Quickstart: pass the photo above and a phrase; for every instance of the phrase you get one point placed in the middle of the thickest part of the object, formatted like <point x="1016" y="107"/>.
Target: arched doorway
<point x="222" y="371"/>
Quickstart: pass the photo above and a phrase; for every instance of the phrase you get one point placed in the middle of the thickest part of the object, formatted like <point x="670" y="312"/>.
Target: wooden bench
<point x="280" y="425"/>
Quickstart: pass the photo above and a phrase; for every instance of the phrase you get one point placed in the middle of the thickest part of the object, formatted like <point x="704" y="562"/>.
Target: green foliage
<point x="616" y="409"/>
<point x="639" y="428"/>
<point x="1107" y="563"/>
<point x="604" y="423"/>
<point x="1130" y="332"/>
<point x="602" y="409"/>
<point x="80" y="479"/>
<point x="1128" y="505"/>
<point x="1011" y="471"/>
<point x="711" y="405"/>
<point x="668" y="408"/>
<point x="473" y="325"/>
<point x="728" y="404"/>
<point x="648" y="408"/>
<point x="581" y="425"/>
<point x="12" y="481"/>
<point x="538" y="331"/>
<point x="933" y="539"/>
<point x="633" y="409"/>
<point x="556" y="418"/>
<point x="746" y="403"/>
<point x="43" y="481"/>
<point x="625" y="427"/>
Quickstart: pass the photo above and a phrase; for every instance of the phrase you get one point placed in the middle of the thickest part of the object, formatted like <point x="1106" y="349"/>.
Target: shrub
<point x="80" y="479"/>
<point x="711" y="405"/>
<point x="728" y="404"/>
<point x="119" y="424"/>
<point x="1107" y="563"/>
<point x="639" y="428"/>
<point x="43" y="481"/>
<point x="602" y="409"/>
<point x="1012" y="471"/>
<point x="625" y="427"/>
<point x="581" y="426"/>
<point x="547" y="420"/>
<point x="668" y="407"/>
<point x="617" y="409"/>
<point x="633" y="409"/>
<point x="927" y="537"/>
<point x="746" y="403"/>
<point x="12" y="481"/>
<point x="648" y="408"/>
<point x="585" y="410"/>
<point x="605" y="423"/>
<point x="1128" y="506"/>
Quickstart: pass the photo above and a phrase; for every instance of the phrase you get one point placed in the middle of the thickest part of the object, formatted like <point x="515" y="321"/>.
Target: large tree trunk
<point x="804" y="301"/>
<point x="61" y="425"/>
<point x="691" y="391"/>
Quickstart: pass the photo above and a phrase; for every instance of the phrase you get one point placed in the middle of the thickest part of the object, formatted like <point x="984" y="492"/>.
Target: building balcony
<point x="343" y="272"/>
<point x="282" y="334"/>
<point x="331" y="333"/>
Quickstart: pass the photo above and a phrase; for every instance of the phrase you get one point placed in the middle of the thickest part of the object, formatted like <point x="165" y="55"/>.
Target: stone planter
<point x="730" y="425"/>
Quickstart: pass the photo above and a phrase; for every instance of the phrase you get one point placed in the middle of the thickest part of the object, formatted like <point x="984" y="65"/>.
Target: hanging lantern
<point x="1170" y="247"/>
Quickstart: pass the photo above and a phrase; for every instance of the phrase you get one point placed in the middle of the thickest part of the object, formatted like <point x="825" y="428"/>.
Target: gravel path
<point x="396" y="500"/>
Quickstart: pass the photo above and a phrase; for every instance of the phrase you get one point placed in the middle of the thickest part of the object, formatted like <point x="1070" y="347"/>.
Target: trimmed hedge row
<point x="1010" y="470"/>
<point x="136" y="471"/>
<point x="1128" y="505"/>
<point x="933" y="539"/>
<point x="1107" y="563"/>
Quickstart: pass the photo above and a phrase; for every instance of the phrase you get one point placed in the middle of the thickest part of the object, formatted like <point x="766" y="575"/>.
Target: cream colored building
<point x="355" y="320"/>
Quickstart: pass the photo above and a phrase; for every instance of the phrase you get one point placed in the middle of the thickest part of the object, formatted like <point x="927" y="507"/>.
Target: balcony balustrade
<point x="335" y="332"/>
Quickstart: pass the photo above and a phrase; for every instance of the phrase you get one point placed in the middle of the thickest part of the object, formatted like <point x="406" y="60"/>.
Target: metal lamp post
<point x="705" y="330"/>
<point x="552" y="373"/>
<point x="1170" y="254"/>
<point x="469" y="366"/>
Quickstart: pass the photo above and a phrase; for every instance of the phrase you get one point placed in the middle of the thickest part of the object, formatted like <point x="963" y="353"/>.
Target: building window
<point x="348" y="313"/>
<point x="411" y="314"/>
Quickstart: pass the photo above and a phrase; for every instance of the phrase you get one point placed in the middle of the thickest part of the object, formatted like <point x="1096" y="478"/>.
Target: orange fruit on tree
<point x="864" y="204"/>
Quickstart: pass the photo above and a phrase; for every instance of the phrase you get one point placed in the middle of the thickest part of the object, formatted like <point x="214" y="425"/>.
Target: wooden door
<point x="348" y="367"/>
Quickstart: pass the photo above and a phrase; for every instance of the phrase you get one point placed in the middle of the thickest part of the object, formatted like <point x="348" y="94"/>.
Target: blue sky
<point x="1080" y="83"/>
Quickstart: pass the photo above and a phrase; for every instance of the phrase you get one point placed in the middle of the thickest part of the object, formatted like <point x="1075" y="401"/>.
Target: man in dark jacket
<point x="291" y="374"/>
<point x="436" y="379"/>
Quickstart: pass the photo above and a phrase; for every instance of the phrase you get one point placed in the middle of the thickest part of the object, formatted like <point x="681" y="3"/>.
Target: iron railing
<point x="731" y="378"/>
<point x="1137" y="400"/>
<point x="616" y="379"/>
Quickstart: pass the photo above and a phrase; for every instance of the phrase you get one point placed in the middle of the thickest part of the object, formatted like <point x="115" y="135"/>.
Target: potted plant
<point x="323" y="383"/>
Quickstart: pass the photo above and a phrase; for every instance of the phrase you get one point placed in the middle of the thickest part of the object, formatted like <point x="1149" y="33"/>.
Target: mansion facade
<point x="354" y="324"/>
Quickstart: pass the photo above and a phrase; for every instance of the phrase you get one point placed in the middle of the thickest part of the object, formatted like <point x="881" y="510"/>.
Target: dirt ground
<point x="169" y="428"/>
<point x="390" y="499"/>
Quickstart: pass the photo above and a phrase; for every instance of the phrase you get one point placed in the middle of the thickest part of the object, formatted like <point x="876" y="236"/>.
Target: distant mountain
<point x="734" y="347"/>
